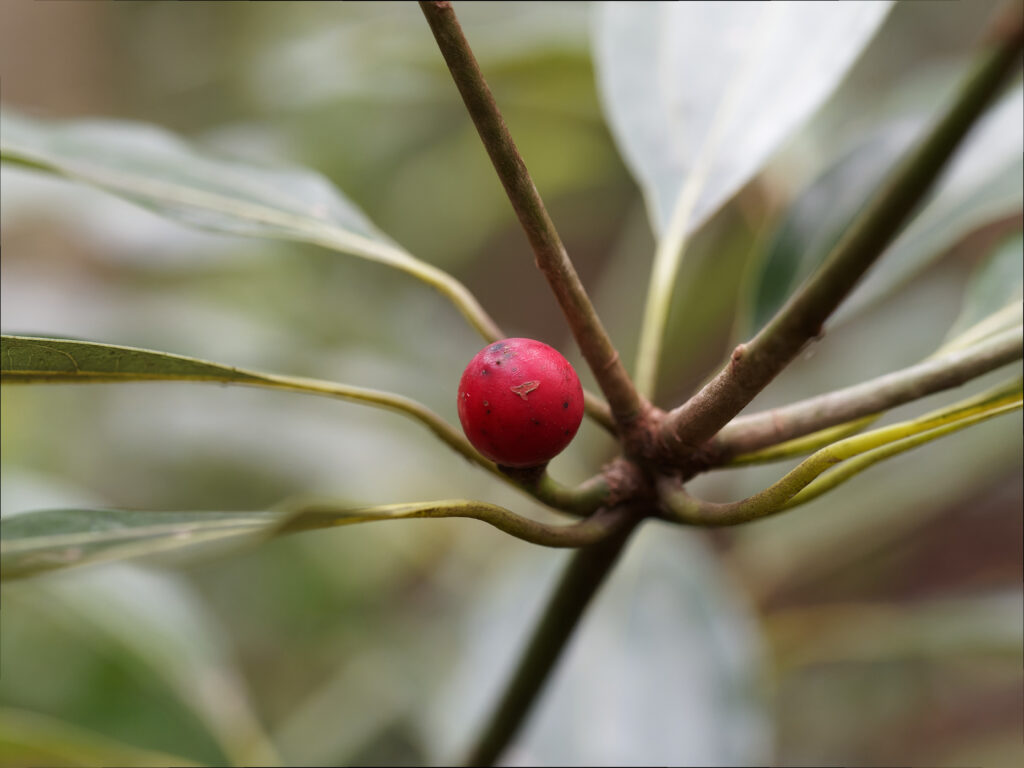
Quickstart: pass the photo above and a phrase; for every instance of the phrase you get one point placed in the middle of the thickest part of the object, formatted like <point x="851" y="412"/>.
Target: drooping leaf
<point x="156" y="169"/>
<point x="704" y="93"/>
<point x="996" y="285"/>
<point x="159" y="171"/>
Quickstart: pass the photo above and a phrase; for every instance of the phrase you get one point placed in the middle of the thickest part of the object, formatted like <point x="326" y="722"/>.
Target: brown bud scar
<point x="525" y="388"/>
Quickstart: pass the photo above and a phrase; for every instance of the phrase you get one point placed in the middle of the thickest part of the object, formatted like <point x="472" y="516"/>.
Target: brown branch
<point x="754" y="364"/>
<point x="551" y="258"/>
<point x="759" y="430"/>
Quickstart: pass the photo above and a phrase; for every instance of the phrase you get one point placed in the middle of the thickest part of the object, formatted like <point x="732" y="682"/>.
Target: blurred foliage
<point x="336" y="647"/>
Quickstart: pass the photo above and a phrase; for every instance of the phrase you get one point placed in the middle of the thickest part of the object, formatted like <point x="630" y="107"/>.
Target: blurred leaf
<point x="157" y="170"/>
<point x="981" y="185"/>
<point x="996" y="284"/>
<point x="29" y="738"/>
<point x="382" y="699"/>
<point x="155" y="620"/>
<point x="46" y="540"/>
<point x="819" y="216"/>
<point x="702" y="94"/>
<point x="663" y="670"/>
<point x="28" y="359"/>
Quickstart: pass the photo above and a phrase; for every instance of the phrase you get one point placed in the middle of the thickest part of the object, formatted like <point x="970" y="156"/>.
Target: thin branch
<point x="808" y="481"/>
<point x="754" y="364"/>
<point x="551" y="257"/>
<point x="859" y="463"/>
<point x="800" y="446"/>
<point x="749" y="433"/>
<point x="310" y="515"/>
<point x="580" y="582"/>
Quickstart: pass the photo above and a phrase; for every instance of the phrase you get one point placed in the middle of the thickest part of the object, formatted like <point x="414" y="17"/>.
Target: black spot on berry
<point x="497" y="362"/>
<point x="488" y="410"/>
<point x="565" y="403"/>
<point x="484" y="372"/>
<point x="565" y="431"/>
<point x="536" y="421"/>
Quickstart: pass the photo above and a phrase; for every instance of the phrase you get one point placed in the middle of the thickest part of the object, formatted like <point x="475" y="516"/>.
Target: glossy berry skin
<point x="520" y="402"/>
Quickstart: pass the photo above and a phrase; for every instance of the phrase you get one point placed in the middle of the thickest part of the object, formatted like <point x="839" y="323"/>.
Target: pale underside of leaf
<point x="158" y="171"/>
<point x="687" y="85"/>
<point x="700" y="95"/>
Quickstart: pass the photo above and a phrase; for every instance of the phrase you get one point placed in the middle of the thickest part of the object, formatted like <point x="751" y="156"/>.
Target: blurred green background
<point x="879" y="625"/>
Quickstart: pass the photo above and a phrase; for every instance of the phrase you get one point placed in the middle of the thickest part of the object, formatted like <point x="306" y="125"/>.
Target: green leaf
<point x="159" y="171"/>
<point x="31" y="359"/>
<point x="46" y="540"/>
<point x="156" y="621"/>
<point x="702" y="94"/>
<point x="997" y="283"/>
<point x="30" y="738"/>
<point x="818" y="218"/>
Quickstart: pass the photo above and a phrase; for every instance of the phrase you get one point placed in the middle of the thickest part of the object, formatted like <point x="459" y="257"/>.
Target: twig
<point x="310" y="515"/>
<point x="580" y="582"/>
<point x="808" y="481"/>
<point x="754" y="364"/>
<point x="550" y="254"/>
<point x="749" y="433"/>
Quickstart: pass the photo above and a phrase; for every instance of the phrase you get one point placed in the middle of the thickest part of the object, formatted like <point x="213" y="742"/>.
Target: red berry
<point x="520" y="402"/>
